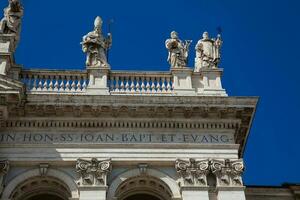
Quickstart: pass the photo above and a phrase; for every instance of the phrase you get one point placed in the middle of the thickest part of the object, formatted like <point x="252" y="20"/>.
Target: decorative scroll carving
<point x="193" y="172"/>
<point x="178" y="51"/>
<point x="93" y="172"/>
<point x="208" y="52"/>
<point x="96" y="46"/>
<point x="228" y="173"/>
<point x="4" y="167"/>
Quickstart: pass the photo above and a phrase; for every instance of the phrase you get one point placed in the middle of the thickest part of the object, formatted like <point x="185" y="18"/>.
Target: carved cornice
<point x="94" y="172"/>
<point x="228" y="173"/>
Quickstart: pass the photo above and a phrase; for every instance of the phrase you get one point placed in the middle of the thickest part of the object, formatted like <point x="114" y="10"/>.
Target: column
<point x="93" y="178"/>
<point x="229" y="181"/>
<point x="193" y="181"/>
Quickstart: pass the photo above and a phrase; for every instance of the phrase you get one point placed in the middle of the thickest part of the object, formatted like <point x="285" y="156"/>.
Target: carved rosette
<point x="93" y="172"/>
<point x="193" y="172"/>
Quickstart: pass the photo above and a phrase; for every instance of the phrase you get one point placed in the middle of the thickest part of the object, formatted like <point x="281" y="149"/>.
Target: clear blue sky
<point x="260" y="58"/>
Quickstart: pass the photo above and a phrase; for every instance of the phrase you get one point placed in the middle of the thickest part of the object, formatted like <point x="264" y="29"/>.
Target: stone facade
<point x="102" y="134"/>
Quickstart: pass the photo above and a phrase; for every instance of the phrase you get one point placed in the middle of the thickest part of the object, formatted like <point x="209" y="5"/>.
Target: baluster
<point x="29" y="84"/>
<point x="45" y="85"/>
<point x="168" y="85"/>
<point x="148" y="85"/>
<point x="62" y="84"/>
<point x="50" y="84"/>
<point x="40" y="85"/>
<point x="143" y="84"/>
<point x="112" y="80"/>
<point x="163" y="85"/>
<point x="132" y="86"/>
<point x="73" y="85"/>
<point x="68" y="89"/>
<point x="56" y="85"/>
<point x="126" y="79"/>
<point x="117" y="84"/>
<point x="153" y="85"/>
<point x="78" y="86"/>
<point x="84" y="84"/>
<point x="34" y="88"/>
<point x="138" y="85"/>
<point x="122" y="84"/>
<point x="158" y="85"/>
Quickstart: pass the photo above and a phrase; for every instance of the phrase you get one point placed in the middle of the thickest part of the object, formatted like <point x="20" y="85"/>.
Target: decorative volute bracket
<point x="192" y="172"/>
<point x="4" y="167"/>
<point x="94" y="172"/>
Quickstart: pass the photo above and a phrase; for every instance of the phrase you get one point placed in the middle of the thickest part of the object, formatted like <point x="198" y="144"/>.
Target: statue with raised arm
<point x="11" y="22"/>
<point x="178" y="51"/>
<point x="208" y="52"/>
<point x="96" y="46"/>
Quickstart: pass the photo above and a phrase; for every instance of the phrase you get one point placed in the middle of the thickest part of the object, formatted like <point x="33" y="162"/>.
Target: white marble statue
<point x="178" y="51"/>
<point x="11" y="22"/>
<point x="96" y="46"/>
<point x="208" y="52"/>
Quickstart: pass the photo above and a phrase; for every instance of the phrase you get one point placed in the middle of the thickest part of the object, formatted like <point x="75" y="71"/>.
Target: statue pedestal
<point x="97" y="81"/>
<point x="7" y="48"/>
<point x="211" y="80"/>
<point x="182" y="81"/>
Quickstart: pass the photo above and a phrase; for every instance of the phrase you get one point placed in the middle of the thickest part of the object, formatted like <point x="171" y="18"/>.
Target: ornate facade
<point x="101" y="134"/>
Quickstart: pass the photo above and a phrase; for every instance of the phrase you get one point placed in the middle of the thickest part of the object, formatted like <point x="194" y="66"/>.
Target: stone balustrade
<point x="39" y="81"/>
<point x="141" y="82"/>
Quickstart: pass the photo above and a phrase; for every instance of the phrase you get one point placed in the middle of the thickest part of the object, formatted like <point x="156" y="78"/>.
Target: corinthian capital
<point x="193" y="172"/>
<point x="93" y="172"/>
<point x="237" y="169"/>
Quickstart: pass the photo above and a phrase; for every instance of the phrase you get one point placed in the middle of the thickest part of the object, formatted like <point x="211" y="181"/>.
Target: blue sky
<point x="259" y="57"/>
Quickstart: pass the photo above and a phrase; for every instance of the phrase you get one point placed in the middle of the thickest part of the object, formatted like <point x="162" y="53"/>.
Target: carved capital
<point x="93" y="172"/>
<point x="193" y="172"/>
<point x="4" y="167"/>
<point x="228" y="173"/>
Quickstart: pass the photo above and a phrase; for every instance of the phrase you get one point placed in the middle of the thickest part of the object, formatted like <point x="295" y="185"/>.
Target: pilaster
<point x="4" y="167"/>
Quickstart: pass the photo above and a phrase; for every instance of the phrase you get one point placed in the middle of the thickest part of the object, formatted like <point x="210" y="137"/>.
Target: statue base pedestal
<point x="212" y="85"/>
<point x="97" y="81"/>
<point x="182" y="81"/>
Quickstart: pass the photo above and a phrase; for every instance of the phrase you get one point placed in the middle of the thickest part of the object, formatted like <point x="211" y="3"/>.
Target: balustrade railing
<point x="140" y="82"/>
<point x="54" y="81"/>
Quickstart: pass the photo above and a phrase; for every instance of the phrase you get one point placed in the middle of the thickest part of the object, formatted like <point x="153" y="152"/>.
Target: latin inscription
<point x="94" y="138"/>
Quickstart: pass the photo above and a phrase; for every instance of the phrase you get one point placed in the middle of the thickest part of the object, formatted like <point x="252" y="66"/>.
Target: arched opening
<point x="143" y="188"/>
<point x="41" y="188"/>
<point x="142" y="197"/>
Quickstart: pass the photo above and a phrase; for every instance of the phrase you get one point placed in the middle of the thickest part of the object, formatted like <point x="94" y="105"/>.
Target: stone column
<point x="182" y="81"/>
<point x="212" y="82"/>
<point x="193" y="179"/>
<point x="93" y="178"/>
<point x="98" y="77"/>
<point x="4" y="167"/>
<point x="229" y="181"/>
